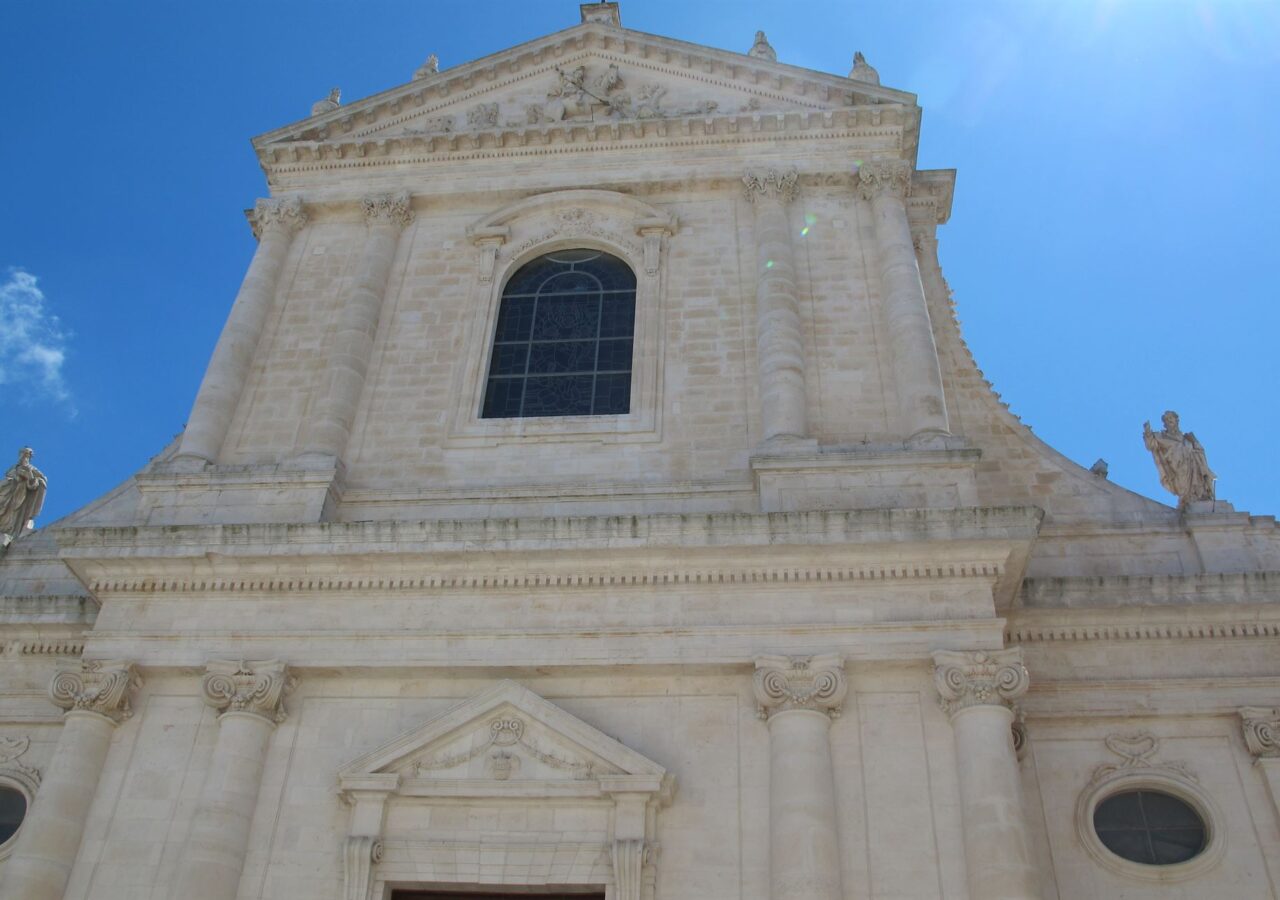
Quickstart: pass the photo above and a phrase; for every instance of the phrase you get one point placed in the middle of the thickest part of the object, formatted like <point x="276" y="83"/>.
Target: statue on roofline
<point x="1180" y="460"/>
<point x="21" y="497"/>
<point x="328" y="104"/>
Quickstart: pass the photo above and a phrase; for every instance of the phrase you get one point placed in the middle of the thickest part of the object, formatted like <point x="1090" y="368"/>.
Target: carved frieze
<point x="102" y="686"/>
<point x="388" y="209"/>
<point x="257" y="688"/>
<point x="881" y="177"/>
<point x="1261" y="731"/>
<point x="772" y="185"/>
<point x="285" y="215"/>
<point x="1137" y="753"/>
<point x="800" y="682"/>
<point x="979" y="678"/>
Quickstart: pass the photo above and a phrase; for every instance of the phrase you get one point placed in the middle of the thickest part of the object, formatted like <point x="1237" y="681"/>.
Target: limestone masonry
<point x="591" y="494"/>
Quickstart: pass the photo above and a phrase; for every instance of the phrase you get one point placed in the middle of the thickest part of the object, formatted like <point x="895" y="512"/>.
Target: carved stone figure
<point x="862" y="70"/>
<point x="1180" y="460"/>
<point x="482" y="115"/>
<point x="761" y="49"/>
<point x="328" y="104"/>
<point x="575" y="96"/>
<point x="21" y="496"/>
<point x="430" y="67"/>
<point x="1100" y="468"/>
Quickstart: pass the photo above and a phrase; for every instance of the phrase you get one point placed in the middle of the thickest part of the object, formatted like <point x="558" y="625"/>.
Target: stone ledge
<point x="1149" y="590"/>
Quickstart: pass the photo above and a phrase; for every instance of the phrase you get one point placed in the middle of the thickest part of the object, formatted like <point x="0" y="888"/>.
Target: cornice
<point x="854" y="123"/>
<point x="1145" y="624"/>
<point x="619" y="577"/>
<point x="576" y="533"/>
<point x="1169" y="591"/>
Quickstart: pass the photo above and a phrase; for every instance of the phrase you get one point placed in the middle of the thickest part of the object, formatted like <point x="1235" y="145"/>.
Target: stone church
<point x="591" y="496"/>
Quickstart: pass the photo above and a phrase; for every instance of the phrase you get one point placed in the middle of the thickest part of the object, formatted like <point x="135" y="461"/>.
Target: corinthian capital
<point x="886" y="176"/>
<point x="780" y="186"/>
<point x="800" y="682"/>
<point x="1261" y="731"/>
<point x="101" y="686"/>
<point x="283" y="213"/>
<point x="257" y="688"/>
<point x="979" y="678"/>
<point x="388" y="209"/>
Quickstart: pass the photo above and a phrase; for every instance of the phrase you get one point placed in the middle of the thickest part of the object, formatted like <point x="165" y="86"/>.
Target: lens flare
<point x="768" y="264"/>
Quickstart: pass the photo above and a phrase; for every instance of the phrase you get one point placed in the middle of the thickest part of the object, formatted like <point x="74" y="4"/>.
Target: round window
<point x="1150" y="827"/>
<point x="13" y="809"/>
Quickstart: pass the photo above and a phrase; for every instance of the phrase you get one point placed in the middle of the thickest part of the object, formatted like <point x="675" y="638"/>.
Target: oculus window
<point x="562" y="346"/>
<point x="1150" y="827"/>
<point x="13" y="809"/>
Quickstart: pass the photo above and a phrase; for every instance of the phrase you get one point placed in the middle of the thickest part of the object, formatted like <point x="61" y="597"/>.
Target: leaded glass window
<point x="562" y="346"/>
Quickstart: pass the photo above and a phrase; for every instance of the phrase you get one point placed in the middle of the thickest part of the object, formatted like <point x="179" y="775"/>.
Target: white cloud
<point x="33" y="344"/>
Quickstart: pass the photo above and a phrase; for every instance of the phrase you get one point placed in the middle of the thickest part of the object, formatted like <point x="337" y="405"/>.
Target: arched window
<point x="562" y="346"/>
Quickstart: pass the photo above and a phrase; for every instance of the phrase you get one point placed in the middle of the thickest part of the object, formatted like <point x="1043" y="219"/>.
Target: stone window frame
<point x="1167" y="780"/>
<point x="630" y="229"/>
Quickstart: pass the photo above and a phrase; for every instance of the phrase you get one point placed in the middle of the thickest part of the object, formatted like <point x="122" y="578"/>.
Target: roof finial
<point x="862" y="70"/>
<point x="601" y="14"/>
<point x="761" y="48"/>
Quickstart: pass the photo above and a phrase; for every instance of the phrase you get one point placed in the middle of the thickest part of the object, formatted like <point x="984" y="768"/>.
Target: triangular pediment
<point x="506" y="734"/>
<point x="591" y="74"/>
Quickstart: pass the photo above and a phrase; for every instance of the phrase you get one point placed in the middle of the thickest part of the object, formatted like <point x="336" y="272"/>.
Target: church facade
<point x="591" y="495"/>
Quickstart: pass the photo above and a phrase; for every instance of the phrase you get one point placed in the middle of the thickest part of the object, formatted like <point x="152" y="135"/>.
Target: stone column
<point x="917" y="378"/>
<point x="798" y="697"/>
<point x="250" y="697"/>
<point x="1262" y="737"/>
<point x="977" y="690"/>
<point x="274" y="224"/>
<point x="329" y="427"/>
<point x="96" y="695"/>
<point x="779" y="336"/>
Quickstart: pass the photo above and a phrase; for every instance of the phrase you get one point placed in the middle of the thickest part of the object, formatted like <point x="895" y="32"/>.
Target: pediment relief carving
<point x="506" y="734"/>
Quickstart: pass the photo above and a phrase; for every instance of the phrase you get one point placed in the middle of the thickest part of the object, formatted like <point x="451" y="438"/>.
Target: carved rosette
<point x="388" y="209"/>
<point x="773" y="185"/>
<point x="256" y="688"/>
<point x="800" y="682"/>
<point x="884" y="177"/>
<point x="1261" y="731"/>
<point x="284" y="215"/>
<point x="979" y="678"/>
<point x="102" y="686"/>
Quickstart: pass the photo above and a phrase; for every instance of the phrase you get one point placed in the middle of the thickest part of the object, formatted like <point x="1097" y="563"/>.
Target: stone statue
<point x="1100" y="468"/>
<point x="328" y="104"/>
<point x="430" y="67"/>
<point x="863" y="70"/>
<point x="21" y="496"/>
<point x="1180" y="460"/>
<point x="761" y="49"/>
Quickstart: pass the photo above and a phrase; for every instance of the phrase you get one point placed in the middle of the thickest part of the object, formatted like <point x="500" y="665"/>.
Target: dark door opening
<point x="502" y="895"/>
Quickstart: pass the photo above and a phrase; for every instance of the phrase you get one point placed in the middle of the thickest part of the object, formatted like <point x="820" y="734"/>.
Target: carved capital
<point x="285" y="215"/>
<point x="388" y="209"/>
<point x="258" y="688"/>
<point x="102" y="686"/>
<point x="800" y="682"/>
<point x="774" y="185"/>
<point x="924" y="236"/>
<point x="979" y="678"/>
<point x="1261" y="731"/>
<point x="884" y="177"/>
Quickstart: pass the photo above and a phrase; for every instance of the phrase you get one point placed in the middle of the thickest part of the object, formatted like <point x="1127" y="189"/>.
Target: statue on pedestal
<point x="1180" y="460"/>
<point x="21" y="497"/>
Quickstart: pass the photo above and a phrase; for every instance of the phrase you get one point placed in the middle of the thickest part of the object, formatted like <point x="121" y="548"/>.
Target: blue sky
<point x="1113" y="246"/>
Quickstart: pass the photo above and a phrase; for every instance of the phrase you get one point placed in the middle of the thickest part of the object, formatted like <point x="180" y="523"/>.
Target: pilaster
<point x="977" y="689"/>
<point x="798" y="697"/>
